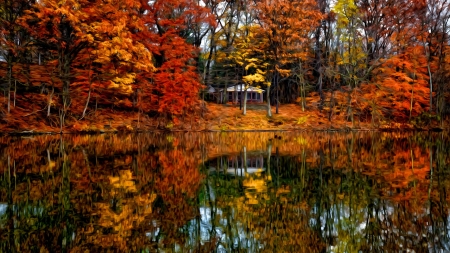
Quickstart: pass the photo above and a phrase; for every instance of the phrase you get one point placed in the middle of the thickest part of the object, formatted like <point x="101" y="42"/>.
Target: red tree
<point x="171" y="24"/>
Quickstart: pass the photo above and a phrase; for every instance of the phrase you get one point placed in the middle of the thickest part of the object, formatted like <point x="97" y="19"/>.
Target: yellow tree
<point x="351" y="56"/>
<point x="232" y="18"/>
<point x="349" y="50"/>
<point x="120" y="56"/>
<point x="246" y="55"/>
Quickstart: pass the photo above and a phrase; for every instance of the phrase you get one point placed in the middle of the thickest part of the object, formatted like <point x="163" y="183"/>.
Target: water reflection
<point x="225" y="192"/>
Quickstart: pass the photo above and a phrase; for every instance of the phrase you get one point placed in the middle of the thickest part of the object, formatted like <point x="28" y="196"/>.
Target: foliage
<point x="353" y="57"/>
<point x="287" y="26"/>
<point x="64" y="62"/>
<point x="402" y="85"/>
<point x="146" y="191"/>
<point x="176" y="81"/>
<point x="100" y="53"/>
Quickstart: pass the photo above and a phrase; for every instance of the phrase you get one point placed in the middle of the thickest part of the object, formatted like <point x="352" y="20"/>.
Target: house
<point x="213" y="94"/>
<point x="235" y="93"/>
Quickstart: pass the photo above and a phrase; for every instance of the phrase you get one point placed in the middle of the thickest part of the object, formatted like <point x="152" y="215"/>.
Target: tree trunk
<point x="15" y="92"/>
<point x="269" y="110"/>
<point x="65" y="77"/>
<point x="431" y="85"/>
<point x="225" y="92"/>
<point x="240" y="99"/>
<point x="245" y="102"/>
<point x="276" y="111"/>
<point x="50" y="98"/>
<point x="64" y="73"/>
<point x="276" y="86"/>
<point x="87" y="101"/>
<point x="89" y="94"/>
<point x="9" y="82"/>
<point x="206" y="72"/>
<point x="269" y="153"/>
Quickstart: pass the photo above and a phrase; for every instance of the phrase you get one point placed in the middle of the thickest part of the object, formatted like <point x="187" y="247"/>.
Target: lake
<point x="226" y="192"/>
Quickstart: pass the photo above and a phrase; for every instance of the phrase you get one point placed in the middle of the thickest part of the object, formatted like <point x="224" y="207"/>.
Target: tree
<point x="13" y="38"/>
<point x="233" y="21"/>
<point x="247" y="56"/>
<point x="400" y="86"/>
<point x="433" y="32"/>
<point x="120" y="60"/>
<point x="288" y="26"/>
<point x="87" y="33"/>
<point x="61" y="28"/>
<point x="176" y="80"/>
<point x="351" y="57"/>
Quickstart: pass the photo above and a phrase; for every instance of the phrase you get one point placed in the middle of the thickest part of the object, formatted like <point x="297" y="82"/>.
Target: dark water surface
<point x="226" y="192"/>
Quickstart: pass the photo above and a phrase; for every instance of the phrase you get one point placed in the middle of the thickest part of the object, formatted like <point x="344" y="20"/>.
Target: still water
<point x="225" y="192"/>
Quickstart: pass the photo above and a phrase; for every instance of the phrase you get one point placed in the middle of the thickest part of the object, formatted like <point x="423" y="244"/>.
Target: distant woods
<point x="62" y="61"/>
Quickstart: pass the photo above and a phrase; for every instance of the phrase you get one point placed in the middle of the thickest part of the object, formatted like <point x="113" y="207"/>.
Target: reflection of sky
<point x="206" y="225"/>
<point x="242" y="172"/>
<point x="153" y="235"/>
<point x="340" y="213"/>
<point x="339" y="219"/>
<point x="3" y="207"/>
<point x="348" y="225"/>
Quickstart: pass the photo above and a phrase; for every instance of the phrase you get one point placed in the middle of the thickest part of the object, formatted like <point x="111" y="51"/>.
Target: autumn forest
<point x="98" y="65"/>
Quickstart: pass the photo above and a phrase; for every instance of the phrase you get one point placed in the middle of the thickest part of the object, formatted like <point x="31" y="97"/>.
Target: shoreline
<point x="325" y="130"/>
<point x="217" y="118"/>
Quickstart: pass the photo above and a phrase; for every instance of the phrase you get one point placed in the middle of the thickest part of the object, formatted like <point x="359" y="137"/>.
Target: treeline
<point x="378" y="60"/>
<point x="69" y="58"/>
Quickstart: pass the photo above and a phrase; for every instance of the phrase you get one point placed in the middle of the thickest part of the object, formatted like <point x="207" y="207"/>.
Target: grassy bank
<point x="216" y="117"/>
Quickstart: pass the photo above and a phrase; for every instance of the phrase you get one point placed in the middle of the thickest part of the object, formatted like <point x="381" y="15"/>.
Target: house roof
<point x="210" y="89"/>
<point x="243" y="87"/>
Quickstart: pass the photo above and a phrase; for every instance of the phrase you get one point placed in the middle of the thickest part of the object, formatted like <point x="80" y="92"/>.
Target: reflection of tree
<point x="256" y="215"/>
<point x="362" y="194"/>
<point x="177" y="185"/>
<point x="372" y="192"/>
<point x="110" y="195"/>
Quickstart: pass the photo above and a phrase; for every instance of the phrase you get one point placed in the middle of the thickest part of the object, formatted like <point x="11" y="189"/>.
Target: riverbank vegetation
<point x="79" y="65"/>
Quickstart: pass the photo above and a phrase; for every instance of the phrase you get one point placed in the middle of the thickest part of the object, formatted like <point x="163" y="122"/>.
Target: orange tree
<point x="90" y="32"/>
<point x="288" y="26"/>
<point x="400" y="89"/>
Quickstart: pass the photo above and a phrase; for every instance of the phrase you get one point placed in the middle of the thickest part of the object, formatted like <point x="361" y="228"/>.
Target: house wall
<point x="251" y="96"/>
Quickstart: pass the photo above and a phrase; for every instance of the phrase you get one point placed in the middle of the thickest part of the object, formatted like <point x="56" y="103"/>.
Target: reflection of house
<point x="253" y="162"/>
<point x="235" y="93"/>
<point x="236" y="165"/>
